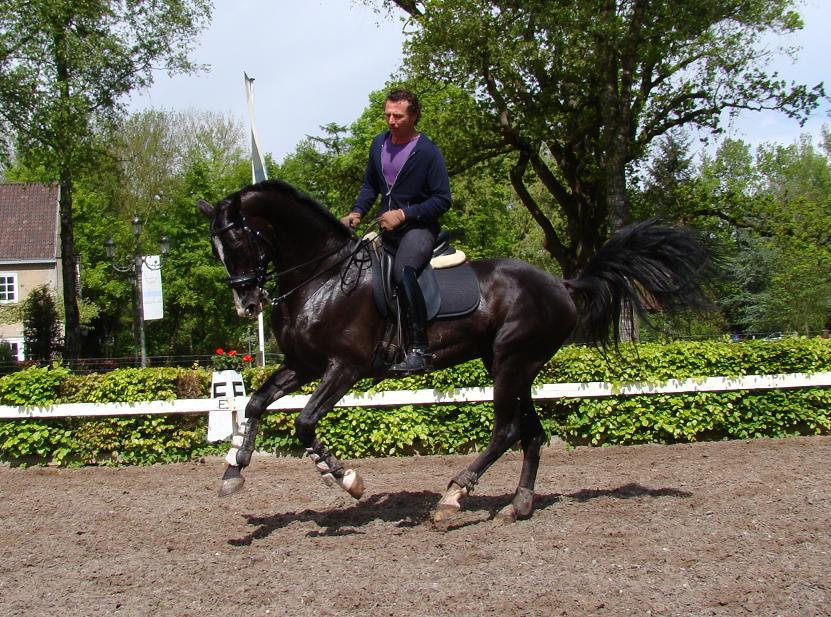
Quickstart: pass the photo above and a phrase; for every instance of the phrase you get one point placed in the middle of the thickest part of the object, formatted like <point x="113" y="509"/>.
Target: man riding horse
<point x="408" y="171"/>
<point x="328" y="324"/>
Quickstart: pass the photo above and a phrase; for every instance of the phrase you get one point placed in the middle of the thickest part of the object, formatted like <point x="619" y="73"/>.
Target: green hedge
<point x="434" y="429"/>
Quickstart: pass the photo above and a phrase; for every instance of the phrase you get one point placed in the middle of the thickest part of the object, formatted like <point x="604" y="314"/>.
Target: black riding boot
<point x="418" y="359"/>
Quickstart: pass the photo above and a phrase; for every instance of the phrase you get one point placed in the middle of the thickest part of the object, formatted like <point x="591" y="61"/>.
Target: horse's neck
<point x="304" y="241"/>
<point x="302" y="234"/>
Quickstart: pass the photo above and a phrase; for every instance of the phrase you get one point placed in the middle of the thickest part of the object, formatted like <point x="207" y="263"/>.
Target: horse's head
<point x="243" y="250"/>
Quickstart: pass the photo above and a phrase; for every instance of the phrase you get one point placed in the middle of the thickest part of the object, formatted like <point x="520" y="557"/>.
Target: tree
<point x="41" y="325"/>
<point x="669" y="174"/>
<point x="794" y="195"/>
<point x="160" y="164"/>
<point x="771" y="214"/>
<point x="64" y="68"/>
<point x="577" y="91"/>
<point x="484" y="217"/>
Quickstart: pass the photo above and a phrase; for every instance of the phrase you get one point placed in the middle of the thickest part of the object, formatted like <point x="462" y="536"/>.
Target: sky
<point x="316" y="62"/>
<point x="313" y="62"/>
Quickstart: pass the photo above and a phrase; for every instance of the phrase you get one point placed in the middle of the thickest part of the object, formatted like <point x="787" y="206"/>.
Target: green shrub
<point x="435" y="429"/>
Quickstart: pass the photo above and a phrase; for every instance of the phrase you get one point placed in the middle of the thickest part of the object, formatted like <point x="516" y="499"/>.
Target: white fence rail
<point x="394" y="398"/>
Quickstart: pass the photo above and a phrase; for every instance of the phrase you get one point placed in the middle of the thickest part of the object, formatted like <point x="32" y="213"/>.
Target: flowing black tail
<point x="645" y="266"/>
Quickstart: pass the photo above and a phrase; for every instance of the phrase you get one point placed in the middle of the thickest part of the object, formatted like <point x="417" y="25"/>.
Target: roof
<point x="28" y="221"/>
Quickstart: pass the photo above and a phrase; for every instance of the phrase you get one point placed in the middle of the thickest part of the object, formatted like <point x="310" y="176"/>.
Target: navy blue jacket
<point x="422" y="188"/>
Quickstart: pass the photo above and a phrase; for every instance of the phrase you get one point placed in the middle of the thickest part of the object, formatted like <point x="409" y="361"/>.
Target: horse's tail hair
<point x="644" y="267"/>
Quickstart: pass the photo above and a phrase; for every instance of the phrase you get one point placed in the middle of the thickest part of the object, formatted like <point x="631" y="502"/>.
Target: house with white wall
<point x="29" y="249"/>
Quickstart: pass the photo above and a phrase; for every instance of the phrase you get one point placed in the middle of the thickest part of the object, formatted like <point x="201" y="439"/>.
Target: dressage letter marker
<point x="225" y="385"/>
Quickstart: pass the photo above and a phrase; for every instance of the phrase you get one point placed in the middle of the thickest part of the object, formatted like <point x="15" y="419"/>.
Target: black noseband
<point x="257" y="278"/>
<point x="260" y="275"/>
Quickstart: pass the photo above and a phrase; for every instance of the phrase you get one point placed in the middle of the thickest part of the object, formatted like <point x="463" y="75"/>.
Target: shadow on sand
<point x="410" y="509"/>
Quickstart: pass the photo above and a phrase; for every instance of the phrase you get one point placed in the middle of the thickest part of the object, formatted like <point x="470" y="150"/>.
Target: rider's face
<point x="400" y="121"/>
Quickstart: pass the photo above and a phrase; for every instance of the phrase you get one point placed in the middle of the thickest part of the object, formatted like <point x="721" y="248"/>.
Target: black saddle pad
<point x="450" y="292"/>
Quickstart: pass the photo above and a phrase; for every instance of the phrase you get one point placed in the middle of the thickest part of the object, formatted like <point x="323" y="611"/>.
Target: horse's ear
<point x="205" y="208"/>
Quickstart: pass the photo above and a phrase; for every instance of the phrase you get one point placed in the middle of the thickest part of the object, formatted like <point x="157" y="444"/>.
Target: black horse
<point x="328" y="325"/>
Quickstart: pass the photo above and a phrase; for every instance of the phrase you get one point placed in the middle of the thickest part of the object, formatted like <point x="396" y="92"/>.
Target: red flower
<point x="247" y="357"/>
<point x="220" y="351"/>
<point x="233" y="352"/>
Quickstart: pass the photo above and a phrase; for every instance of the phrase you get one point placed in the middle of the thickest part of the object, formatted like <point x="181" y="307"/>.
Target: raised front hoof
<point x="231" y="485"/>
<point x="353" y="483"/>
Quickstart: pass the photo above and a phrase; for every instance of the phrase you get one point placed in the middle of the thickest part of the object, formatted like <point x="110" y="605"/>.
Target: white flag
<point x="257" y="164"/>
<point x="258" y="175"/>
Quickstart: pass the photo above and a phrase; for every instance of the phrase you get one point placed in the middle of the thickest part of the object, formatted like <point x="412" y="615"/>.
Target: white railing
<point x="394" y="398"/>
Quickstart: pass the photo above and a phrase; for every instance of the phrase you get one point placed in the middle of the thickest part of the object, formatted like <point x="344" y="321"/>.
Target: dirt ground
<point x="729" y="528"/>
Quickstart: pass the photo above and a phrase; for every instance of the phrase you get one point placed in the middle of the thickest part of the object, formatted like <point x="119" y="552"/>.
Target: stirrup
<point x="417" y="360"/>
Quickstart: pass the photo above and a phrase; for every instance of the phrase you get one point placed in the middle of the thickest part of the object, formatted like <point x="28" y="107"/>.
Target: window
<point x="8" y="287"/>
<point x="16" y="345"/>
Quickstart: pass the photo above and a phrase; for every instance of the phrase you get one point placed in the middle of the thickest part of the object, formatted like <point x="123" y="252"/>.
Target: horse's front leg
<point x="335" y="383"/>
<point x="283" y="381"/>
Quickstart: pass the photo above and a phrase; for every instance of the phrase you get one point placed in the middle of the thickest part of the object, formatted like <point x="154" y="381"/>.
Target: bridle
<point x="261" y="273"/>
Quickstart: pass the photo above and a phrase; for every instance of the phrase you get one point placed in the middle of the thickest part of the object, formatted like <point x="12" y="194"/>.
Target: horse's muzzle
<point x="249" y="304"/>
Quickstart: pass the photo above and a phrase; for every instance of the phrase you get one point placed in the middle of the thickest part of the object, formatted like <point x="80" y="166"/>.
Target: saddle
<point x="448" y="283"/>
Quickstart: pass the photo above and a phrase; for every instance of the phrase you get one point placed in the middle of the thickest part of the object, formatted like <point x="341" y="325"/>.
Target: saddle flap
<point x="450" y="289"/>
<point x="430" y="290"/>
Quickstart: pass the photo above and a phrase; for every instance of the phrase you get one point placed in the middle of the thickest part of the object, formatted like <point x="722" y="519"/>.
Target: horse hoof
<point x="231" y="486"/>
<point x="523" y="503"/>
<point x="444" y="512"/>
<point x="506" y="516"/>
<point x="353" y="483"/>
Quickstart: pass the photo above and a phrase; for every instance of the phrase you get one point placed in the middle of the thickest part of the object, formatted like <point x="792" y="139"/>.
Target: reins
<point x="282" y="297"/>
<point x="262" y="274"/>
<point x="359" y="246"/>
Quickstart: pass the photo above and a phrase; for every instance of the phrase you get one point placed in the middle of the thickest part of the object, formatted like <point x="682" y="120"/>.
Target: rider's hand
<point x="351" y="220"/>
<point x="391" y="219"/>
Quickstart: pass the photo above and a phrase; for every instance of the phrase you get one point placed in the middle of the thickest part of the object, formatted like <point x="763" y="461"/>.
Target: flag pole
<point x="258" y="174"/>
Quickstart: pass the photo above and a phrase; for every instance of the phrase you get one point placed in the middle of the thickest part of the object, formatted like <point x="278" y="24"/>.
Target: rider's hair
<point x="413" y="106"/>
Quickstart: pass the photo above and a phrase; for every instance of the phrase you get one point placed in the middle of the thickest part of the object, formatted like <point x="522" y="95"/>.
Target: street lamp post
<point x="133" y="270"/>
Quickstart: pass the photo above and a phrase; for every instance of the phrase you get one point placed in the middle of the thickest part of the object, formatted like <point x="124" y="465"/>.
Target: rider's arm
<point x="372" y="185"/>
<point x="436" y="190"/>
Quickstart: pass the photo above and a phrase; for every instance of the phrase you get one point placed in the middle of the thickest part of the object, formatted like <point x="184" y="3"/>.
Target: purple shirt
<point x="393" y="157"/>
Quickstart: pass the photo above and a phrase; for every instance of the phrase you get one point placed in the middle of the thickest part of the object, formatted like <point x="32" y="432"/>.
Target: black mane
<point x="286" y="190"/>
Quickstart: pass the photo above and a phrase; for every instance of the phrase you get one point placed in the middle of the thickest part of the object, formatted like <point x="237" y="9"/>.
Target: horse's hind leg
<point x="533" y="436"/>
<point x="283" y="381"/>
<point x="506" y="432"/>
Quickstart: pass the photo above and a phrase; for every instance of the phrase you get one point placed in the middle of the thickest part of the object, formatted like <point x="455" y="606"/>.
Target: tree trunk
<point x="72" y="333"/>
<point x="63" y="147"/>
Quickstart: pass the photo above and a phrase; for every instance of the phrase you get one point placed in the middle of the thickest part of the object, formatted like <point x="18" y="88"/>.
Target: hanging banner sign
<point x="151" y="288"/>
